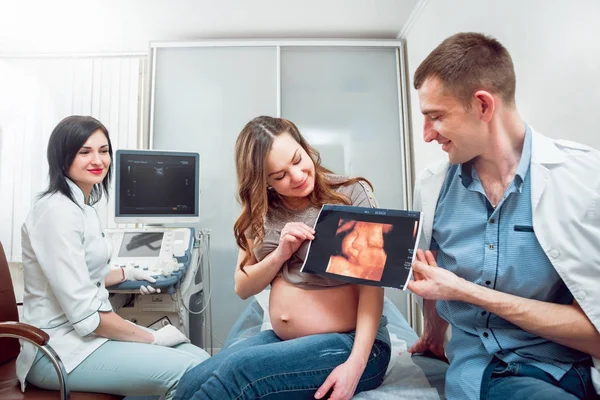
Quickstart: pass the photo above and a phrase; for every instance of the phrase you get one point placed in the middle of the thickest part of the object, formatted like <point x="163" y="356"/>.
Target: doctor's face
<point x="91" y="163"/>
<point x="460" y="131"/>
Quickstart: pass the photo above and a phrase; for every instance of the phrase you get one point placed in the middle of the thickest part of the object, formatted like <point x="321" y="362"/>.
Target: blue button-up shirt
<point x="495" y="247"/>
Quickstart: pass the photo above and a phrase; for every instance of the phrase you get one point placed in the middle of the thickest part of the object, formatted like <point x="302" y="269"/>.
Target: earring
<point x="269" y="187"/>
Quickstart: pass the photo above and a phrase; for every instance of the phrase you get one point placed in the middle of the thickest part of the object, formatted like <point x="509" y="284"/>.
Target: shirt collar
<point x="76" y="192"/>
<point x="523" y="166"/>
<point x="467" y="173"/>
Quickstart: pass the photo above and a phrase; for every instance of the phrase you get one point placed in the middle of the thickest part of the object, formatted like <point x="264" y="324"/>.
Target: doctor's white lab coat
<point x="565" y="201"/>
<point x="65" y="261"/>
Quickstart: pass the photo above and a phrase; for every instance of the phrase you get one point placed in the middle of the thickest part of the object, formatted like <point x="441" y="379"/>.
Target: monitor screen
<point x="141" y="244"/>
<point x="157" y="187"/>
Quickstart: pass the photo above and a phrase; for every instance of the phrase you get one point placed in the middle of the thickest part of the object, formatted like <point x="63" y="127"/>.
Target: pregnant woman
<point x="328" y="338"/>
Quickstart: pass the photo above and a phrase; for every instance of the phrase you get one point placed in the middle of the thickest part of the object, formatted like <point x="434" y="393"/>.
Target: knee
<point x="191" y="380"/>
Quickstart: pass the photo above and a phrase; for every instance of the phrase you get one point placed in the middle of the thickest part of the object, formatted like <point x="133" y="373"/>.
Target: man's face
<point x="460" y="132"/>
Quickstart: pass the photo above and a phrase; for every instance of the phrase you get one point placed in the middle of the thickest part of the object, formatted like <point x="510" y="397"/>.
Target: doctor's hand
<point x="343" y="379"/>
<point x="291" y="238"/>
<point x="169" y="336"/>
<point x="136" y="274"/>
<point x="430" y="345"/>
<point x="434" y="283"/>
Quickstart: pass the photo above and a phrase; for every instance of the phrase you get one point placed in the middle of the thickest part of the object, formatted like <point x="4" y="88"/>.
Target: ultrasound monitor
<point x="157" y="187"/>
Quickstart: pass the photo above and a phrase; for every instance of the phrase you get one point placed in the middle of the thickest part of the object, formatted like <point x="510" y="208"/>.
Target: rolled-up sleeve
<point x="57" y="240"/>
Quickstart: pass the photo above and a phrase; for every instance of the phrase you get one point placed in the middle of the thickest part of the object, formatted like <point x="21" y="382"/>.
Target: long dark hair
<point x="65" y="142"/>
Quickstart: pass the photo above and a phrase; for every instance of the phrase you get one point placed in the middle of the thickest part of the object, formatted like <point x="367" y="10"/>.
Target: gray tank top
<point x="360" y="195"/>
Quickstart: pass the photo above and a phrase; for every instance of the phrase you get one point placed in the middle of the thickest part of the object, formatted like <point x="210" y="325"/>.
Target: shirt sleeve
<point x="57" y="240"/>
<point x="362" y="195"/>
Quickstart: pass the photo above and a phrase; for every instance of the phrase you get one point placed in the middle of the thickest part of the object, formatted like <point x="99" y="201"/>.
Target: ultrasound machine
<point x="159" y="192"/>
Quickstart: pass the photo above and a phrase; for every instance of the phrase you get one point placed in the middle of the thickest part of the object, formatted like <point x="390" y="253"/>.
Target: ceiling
<point x="75" y="26"/>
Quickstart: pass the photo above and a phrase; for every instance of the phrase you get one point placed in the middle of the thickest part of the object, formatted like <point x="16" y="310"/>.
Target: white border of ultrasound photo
<point x="361" y="211"/>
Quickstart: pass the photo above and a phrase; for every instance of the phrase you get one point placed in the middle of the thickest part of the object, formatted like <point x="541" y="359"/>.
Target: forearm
<point x="114" y="276"/>
<point x="435" y="327"/>
<point x="257" y="276"/>
<point x="114" y="327"/>
<point x="370" y="309"/>
<point x="565" y="324"/>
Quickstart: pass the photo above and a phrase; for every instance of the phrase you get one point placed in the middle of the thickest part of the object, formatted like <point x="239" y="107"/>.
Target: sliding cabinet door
<point x="345" y="102"/>
<point x="203" y="97"/>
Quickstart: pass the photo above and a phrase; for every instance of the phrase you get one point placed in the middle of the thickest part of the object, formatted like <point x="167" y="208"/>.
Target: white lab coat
<point x="65" y="261"/>
<point x="565" y="199"/>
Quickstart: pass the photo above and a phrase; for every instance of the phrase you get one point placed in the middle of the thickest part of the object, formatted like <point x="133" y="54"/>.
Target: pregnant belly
<point x="297" y="312"/>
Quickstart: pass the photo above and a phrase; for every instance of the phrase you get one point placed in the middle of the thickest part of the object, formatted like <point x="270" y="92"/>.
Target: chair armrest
<point x="24" y="331"/>
<point x="39" y="339"/>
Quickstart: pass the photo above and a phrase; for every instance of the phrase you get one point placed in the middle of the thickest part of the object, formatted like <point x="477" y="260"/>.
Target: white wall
<point x="555" y="48"/>
<point x="59" y="26"/>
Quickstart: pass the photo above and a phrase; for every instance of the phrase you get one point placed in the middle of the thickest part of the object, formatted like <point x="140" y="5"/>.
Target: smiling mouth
<point x="95" y="171"/>
<point x="302" y="185"/>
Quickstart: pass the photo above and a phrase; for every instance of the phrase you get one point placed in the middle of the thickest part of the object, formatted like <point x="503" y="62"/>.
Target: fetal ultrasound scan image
<point x="364" y="245"/>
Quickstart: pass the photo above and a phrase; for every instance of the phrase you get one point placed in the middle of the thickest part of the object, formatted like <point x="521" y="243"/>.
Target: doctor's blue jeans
<point x="518" y="381"/>
<point x="265" y="367"/>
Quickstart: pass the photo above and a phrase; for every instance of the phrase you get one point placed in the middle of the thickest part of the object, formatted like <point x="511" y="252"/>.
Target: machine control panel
<point x="164" y="253"/>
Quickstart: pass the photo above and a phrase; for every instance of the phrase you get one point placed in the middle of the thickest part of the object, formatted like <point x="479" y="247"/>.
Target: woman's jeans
<point x="124" y="368"/>
<point x="265" y="366"/>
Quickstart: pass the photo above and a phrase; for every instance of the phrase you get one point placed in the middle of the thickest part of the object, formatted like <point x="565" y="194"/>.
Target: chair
<point x="10" y="331"/>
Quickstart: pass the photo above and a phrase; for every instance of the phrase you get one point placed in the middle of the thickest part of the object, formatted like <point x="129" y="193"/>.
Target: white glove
<point x="147" y="289"/>
<point x="136" y="274"/>
<point x="169" y="336"/>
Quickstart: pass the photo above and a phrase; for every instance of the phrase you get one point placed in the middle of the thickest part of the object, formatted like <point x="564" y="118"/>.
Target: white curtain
<point x="35" y="94"/>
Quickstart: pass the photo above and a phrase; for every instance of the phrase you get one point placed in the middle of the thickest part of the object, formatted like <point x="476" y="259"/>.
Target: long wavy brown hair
<point x="251" y="149"/>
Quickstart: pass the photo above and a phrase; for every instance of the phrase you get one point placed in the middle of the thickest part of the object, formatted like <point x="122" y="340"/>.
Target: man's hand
<point x="430" y="345"/>
<point x="432" y="282"/>
<point x="343" y="379"/>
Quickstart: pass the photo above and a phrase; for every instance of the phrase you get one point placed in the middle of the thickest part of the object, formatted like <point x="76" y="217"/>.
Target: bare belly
<point x="297" y="312"/>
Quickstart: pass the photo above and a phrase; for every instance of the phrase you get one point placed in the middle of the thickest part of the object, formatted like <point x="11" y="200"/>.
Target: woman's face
<point x="290" y="170"/>
<point x="91" y="163"/>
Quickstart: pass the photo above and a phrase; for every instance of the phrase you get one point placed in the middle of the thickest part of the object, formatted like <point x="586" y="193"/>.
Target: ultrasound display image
<point x="164" y="186"/>
<point x="368" y="246"/>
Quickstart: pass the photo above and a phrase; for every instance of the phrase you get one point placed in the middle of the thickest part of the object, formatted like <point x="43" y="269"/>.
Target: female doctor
<point x="66" y="271"/>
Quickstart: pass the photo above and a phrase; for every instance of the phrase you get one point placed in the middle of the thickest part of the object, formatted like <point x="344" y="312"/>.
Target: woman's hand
<point x="169" y="336"/>
<point x="343" y="379"/>
<point x="292" y="236"/>
<point x="135" y="274"/>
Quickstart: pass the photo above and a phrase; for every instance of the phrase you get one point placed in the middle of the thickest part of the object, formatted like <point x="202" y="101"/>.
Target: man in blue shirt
<point x="508" y="221"/>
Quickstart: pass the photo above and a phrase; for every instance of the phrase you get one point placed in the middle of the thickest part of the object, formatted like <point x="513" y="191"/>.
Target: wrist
<point x="468" y="292"/>
<point x="150" y="338"/>
<point x="358" y="359"/>
<point x="277" y="257"/>
<point x="435" y="335"/>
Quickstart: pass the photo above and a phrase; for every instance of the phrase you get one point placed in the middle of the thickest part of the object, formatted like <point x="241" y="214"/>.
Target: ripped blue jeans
<point x="266" y="367"/>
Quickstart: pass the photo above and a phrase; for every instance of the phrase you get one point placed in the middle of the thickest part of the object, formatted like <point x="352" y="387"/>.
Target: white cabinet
<point x="344" y="96"/>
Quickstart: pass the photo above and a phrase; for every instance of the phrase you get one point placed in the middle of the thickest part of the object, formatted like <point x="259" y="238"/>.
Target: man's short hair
<point x="467" y="62"/>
